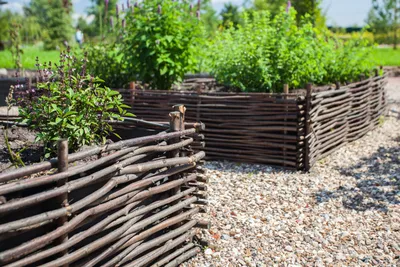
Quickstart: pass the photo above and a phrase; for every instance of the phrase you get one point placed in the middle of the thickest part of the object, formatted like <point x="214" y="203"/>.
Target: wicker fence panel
<point x="289" y="130"/>
<point x="340" y="116"/>
<point x="255" y="128"/>
<point x="130" y="203"/>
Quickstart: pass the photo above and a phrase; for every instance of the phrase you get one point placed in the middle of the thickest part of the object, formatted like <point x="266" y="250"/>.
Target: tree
<point x="209" y="17"/>
<point x="303" y="7"/>
<point x="230" y="15"/>
<point x="384" y="18"/>
<point x="5" y="17"/>
<point x="55" y="18"/>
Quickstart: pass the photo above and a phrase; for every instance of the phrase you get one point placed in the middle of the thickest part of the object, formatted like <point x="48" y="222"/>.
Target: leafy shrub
<point x="345" y="61"/>
<point x="265" y="53"/>
<point x="158" y="42"/>
<point x="104" y="61"/>
<point x="68" y="103"/>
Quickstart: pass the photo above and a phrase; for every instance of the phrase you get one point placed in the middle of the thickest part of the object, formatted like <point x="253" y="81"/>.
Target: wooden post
<point x="62" y="165"/>
<point x="285" y="92"/>
<point x="182" y="110"/>
<point x="174" y="126"/>
<point x="307" y="128"/>
<point x="131" y="93"/>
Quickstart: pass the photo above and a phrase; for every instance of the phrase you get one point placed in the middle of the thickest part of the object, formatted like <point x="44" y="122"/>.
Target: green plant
<point x="265" y="53"/>
<point x="15" y="48"/>
<point x="68" y="103"/>
<point x="345" y="61"/>
<point x="158" y="42"/>
<point x="104" y="61"/>
<point x="54" y="18"/>
<point x="15" y="157"/>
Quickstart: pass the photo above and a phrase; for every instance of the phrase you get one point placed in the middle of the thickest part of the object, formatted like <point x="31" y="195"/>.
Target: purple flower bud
<point x="190" y="7"/>
<point x="159" y="9"/>
<point x="106" y="5"/>
<point x="123" y="24"/>
<point x="128" y="4"/>
<point x="123" y="8"/>
<point x="136" y="4"/>
<point x="198" y="4"/>
<point x="111" y="22"/>
<point x="116" y="10"/>
<point x="198" y="14"/>
<point x="289" y="5"/>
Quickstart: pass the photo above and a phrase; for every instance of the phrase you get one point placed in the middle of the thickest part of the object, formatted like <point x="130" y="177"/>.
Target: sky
<point x="343" y="13"/>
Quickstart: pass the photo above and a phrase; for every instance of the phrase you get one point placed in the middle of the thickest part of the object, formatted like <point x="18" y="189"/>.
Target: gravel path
<point x="345" y="212"/>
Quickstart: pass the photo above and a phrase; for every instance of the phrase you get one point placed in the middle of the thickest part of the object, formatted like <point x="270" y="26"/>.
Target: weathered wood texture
<point x="130" y="203"/>
<point x="262" y="128"/>
<point x="271" y="128"/>
<point x="345" y="114"/>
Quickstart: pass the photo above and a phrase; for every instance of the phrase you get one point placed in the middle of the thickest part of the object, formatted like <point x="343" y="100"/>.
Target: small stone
<point x="288" y="248"/>
<point x="208" y="251"/>
<point x="225" y="237"/>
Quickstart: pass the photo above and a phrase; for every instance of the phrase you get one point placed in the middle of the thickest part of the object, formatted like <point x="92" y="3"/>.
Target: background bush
<point x="264" y="53"/>
<point x="158" y="44"/>
<point x="104" y="61"/>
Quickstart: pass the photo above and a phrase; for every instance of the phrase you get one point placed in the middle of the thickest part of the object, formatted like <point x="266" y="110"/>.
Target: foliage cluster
<point x="105" y="61"/>
<point x="69" y="103"/>
<point x="303" y="7"/>
<point x="54" y="18"/>
<point x="15" y="48"/>
<point x="266" y="52"/>
<point x="159" y="40"/>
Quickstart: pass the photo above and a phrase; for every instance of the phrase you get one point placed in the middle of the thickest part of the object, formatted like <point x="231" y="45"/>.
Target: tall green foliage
<point x="303" y="7"/>
<point x="159" y="42"/>
<point x="230" y="15"/>
<point x="209" y="18"/>
<point x="54" y="18"/>
<point x="264" y="53"/>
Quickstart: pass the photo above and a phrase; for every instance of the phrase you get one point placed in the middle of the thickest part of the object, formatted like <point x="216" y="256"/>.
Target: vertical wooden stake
<point x="285" y="92"/>
<point x="62" y="156"/>
<point x="131" y="93"/>
<point x="182" y="110"/>
<point x="174" y="126"/>
<point x="307" y="128"/>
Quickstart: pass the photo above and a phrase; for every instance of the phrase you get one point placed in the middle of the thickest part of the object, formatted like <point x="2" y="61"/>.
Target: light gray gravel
<point x="393" y="89"/>
<point x="345" y="212"/>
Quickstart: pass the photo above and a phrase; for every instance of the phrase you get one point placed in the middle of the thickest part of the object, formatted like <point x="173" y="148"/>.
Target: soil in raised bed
<point x="19" y="138"/>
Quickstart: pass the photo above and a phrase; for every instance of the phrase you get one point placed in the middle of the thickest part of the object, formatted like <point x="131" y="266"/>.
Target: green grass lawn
<point x="28" y="57"/>
<point x="382" y="56"/>
<point x="387" y="56"/>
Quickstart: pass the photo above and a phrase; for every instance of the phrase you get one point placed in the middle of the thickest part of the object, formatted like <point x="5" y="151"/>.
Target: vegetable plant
<point x="70" y="103"/>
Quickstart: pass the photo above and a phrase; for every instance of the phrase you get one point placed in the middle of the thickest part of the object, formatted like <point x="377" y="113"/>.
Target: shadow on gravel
<point x="377" y="182"/>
